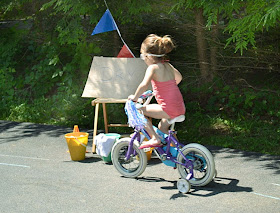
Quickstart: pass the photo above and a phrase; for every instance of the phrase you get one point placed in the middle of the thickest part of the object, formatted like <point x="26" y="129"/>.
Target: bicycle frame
<point x="194" y="162"/>
<point x="161" y="153"/>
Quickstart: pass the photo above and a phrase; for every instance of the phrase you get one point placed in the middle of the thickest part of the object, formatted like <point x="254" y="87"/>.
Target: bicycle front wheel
<point x="203" y="164"/>
<point x="135" y="165"/>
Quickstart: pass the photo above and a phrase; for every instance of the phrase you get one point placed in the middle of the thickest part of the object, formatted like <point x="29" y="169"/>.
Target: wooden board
<point x="114" y="77"/>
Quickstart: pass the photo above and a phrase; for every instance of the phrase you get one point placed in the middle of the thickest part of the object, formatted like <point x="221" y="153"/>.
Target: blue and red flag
<point x="125" y="53"/>
<point x="106" y="24"/>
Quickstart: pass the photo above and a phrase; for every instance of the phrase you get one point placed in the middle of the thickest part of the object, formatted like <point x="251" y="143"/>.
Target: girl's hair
<point x="155" y="44"/>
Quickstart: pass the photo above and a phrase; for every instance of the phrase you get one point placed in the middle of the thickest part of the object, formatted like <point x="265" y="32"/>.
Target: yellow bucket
<point x="77" y="144"/>
<point x="149" y="154"/>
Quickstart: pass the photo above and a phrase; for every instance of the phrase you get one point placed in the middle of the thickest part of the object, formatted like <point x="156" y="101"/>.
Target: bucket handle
<point x="80" y="142"/>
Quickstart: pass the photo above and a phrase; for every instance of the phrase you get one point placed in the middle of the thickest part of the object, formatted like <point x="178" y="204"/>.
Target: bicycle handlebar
<point x="146" y="95"/>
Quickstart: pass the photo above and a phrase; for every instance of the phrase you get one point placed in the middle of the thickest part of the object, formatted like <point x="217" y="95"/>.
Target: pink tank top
<point x="168" y="95"/>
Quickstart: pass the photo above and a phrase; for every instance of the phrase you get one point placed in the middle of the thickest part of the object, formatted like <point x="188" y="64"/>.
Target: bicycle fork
<point x="130" y="151"/>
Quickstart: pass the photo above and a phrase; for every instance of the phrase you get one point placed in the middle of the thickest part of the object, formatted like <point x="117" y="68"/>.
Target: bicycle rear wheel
<point x="135" y="165"/>
<point x="203" y="162"/>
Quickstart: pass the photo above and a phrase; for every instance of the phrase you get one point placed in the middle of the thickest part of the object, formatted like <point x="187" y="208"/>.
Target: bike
<point x="194" y="162"/>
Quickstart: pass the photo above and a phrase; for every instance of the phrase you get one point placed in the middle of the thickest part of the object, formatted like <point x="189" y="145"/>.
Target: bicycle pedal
<point x="163" y="156"/>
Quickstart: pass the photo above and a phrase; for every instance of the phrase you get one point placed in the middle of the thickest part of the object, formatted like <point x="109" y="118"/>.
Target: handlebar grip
<point x="146" y="94"/>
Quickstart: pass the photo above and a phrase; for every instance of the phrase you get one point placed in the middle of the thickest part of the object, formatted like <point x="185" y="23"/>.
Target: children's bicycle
<point x="194" y="162"/>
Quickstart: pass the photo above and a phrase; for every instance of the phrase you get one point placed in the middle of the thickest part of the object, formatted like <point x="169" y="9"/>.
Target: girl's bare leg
<point x="154" y="111"/>
<point x="164" y="125"/>
<point x="149" y="128"/>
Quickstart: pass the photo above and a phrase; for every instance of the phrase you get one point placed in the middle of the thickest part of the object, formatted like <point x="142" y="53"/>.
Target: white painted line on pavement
<point x="7" y="164"/>
<point x="277" y="198"/>
<point x="276" y="184"/>
<point x="32" y="158"/>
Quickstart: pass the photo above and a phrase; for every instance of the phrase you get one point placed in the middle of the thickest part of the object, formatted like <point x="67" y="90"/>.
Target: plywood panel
<point x="114" y="77"/>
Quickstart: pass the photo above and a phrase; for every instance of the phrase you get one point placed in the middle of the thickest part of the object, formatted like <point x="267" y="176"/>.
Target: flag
<point x="106" y="23"/>
<point x="125" y="53"/>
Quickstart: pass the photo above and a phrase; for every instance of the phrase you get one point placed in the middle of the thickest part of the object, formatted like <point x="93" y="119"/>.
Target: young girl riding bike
<point x="164" y="79"/>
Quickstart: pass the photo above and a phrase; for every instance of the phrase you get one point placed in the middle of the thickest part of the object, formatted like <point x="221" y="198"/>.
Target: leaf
<point x="47" y="5"/>
<point x="54" y="61"/>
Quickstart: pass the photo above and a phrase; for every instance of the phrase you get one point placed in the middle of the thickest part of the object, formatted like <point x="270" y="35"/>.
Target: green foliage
<point x="6" y="89"/>
<point x="46" y="51"/>
<point x="250" y="134"/>
<point x="232" y="116"/>
<point x="129" y="11"/>
<point x="232" y="101"/>
<point x="35" y="65"/>
<point x="69" y="110"/>
<point x="244" y="18"/>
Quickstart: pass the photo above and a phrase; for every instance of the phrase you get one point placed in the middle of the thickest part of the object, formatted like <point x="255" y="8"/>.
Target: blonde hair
<point x="155" y="44"/>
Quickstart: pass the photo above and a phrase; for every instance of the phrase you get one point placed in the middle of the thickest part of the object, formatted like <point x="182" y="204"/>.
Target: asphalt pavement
<point x="38" y="175"/>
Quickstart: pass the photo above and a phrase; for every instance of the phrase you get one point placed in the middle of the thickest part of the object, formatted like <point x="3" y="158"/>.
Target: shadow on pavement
<point x="219" y="185"/>
<point x="16" y="131"/>
<point x="90" y="160"/>
<point x="12" y="131"/>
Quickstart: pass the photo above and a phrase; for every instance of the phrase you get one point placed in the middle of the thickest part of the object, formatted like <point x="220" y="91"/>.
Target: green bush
<point x="232" y="116"/>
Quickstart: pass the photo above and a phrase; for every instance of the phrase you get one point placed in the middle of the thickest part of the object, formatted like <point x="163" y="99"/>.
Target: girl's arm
<point x="178" y="76"/>
<point x="143" y="86"/>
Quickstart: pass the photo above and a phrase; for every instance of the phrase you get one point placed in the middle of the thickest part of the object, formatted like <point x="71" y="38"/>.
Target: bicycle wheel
<point x="203" y="162"/>
<point x="183" y="186"/>
<point x="135" y="165"/>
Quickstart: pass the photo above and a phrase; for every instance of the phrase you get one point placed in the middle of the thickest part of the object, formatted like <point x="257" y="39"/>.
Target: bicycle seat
<point x="180" y="118"/>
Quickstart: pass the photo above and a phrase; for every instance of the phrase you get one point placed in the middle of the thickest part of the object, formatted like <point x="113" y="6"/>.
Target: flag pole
<point x="123" y="39"/>
<point x="106" y="4"/>
<point x="118" y="30"/>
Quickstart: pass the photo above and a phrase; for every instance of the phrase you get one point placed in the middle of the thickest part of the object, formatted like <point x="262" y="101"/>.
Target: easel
<point x="112" y="77"/>
<point x="96" y="102"/>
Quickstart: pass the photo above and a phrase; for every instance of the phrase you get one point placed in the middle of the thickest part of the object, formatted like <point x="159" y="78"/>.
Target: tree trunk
<point x="202" y="46"/>
<point x="214" y="48"/>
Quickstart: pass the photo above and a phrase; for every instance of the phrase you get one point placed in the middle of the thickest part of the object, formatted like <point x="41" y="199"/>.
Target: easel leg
<point x="105" y="117"/>
<point x="95" y="126"/>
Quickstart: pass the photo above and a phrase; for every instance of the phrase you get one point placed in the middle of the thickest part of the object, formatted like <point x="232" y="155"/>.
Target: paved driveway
<point x="37" y="175"/>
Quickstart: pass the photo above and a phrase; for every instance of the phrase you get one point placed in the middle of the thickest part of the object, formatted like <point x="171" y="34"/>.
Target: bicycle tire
<point x="204" y="165"/>
<point x="132" y="167"/>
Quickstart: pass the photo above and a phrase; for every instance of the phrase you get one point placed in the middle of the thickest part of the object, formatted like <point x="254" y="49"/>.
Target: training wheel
<point x="183" y="186"/>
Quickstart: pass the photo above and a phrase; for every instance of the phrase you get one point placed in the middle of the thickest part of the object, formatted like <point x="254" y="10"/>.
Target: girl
<point x="164" y="78"/>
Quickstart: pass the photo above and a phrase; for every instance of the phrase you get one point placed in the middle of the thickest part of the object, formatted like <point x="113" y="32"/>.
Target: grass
<point x="257" y="135"/>
<point x="249" y="134"/>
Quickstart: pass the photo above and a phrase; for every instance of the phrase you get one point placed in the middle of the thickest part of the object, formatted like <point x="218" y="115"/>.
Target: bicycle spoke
<point x="131" y="164"/>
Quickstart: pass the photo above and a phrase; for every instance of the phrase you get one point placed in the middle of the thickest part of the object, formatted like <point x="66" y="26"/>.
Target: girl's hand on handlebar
<point x="132" y="97"/>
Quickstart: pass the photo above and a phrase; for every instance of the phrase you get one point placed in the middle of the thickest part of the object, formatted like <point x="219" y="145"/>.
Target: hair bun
<point x="158" y="45"/>
<point x="167" y="44"/>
